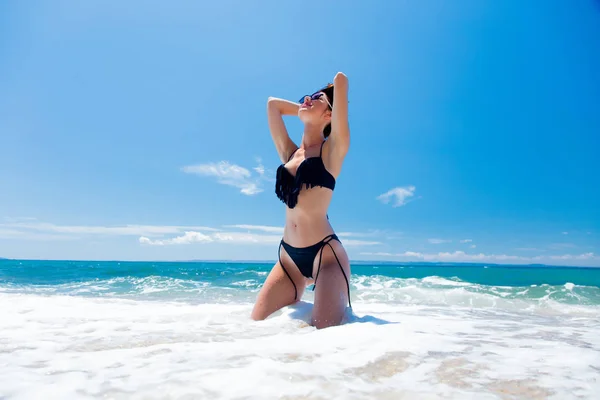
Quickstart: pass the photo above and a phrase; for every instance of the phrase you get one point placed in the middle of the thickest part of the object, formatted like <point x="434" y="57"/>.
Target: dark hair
<point x="328" y="90"/>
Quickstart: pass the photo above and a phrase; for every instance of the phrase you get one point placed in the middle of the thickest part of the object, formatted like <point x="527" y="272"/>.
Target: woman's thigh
<point x="331" y="289"/>
<point x="277" y="292"/>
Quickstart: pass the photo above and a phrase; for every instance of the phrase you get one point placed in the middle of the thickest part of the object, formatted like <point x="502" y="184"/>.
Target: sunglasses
<point x="315" y="96"/>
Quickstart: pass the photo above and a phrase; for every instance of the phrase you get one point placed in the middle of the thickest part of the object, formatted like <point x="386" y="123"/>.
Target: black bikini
<point x="311" y="172"/>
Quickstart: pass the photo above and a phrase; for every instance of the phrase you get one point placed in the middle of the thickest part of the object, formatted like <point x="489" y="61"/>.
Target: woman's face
<point x="315" y="108"/>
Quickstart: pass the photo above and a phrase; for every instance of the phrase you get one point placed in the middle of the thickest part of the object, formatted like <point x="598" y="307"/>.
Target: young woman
<point x="309" y="250"/>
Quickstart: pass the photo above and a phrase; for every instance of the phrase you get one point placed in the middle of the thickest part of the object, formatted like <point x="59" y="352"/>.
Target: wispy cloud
<point x="584" y="256"/>
<point x="260" y="168"/>
<point x="373" y="233"/>
<point x="565" y="233"/>
<point x="11" y="230"/>
<point x="235" y="237"/>
<point x="558" y="246"/>
<point x="466" y="240"/>
<point x="529" y="249"/>
<point x="264" y="228"/>
<point x="342" y="235"/>
<point x="45" y="237"/>
<point x="18" y="219"/>
<point x="438" y="241"/>
<point x="157" y="235"/>
<point x="197" y="237"/>
<point x="353" y="242"/>
<point x="397" y="196"/>
<point x="232" y="175"/>
<point x="354" y="234"/>
<point x="118" y="230"/>
<point x="9" y="233"/>
<point x="187" y="238"/>
<point x="459" y="256"/>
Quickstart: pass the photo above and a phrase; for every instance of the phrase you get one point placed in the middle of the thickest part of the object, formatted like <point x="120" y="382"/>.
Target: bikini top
<point x="311" y="172"/>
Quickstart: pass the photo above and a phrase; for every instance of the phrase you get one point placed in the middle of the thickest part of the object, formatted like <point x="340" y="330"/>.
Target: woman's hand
<point x="340" y="80"/>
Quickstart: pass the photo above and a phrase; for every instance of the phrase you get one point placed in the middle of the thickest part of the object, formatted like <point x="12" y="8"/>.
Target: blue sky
<point x="137" y="130"/>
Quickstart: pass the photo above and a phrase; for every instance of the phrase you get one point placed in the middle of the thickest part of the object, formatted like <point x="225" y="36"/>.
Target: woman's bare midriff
<point x="307" y="223"/>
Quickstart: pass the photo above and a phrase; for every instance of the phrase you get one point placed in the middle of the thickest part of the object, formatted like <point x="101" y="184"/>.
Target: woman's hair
<point x="328" y="90"/>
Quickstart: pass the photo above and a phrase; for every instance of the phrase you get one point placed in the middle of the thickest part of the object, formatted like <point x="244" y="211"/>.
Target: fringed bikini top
<point x="311" y="172"/>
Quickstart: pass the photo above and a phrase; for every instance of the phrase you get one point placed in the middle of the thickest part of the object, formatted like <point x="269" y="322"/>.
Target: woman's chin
<point x="305" y="115"/>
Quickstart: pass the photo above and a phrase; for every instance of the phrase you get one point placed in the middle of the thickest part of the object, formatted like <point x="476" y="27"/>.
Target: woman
<point x="309" y="250"/>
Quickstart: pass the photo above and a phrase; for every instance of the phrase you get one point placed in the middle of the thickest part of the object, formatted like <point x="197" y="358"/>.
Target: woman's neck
<point x="312" y="136"/>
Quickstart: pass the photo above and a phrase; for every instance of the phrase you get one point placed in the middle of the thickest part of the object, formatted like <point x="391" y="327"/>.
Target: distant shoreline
<point x="355" y="262"/>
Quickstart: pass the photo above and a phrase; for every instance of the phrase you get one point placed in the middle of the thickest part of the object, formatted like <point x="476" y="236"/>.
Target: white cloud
<point x="411" y="254"/>
<point x="118" y="230"/>
<point x="22" y="235"/>
<point x="438" y="241"/>
<point x="585" y="256"/>
<point x="234" y="237"/>
<point x="264" y="228"/>
<point x="473" y="246"/>
<point x="466" y="240"/>
<point x="9" y="232"/>
<point x="461" y="256"/>
<point x="279" y="230"/>
<point x="229" y="237"/>
<point x="260" y="169"/>
<point x="399" y="196"/>
<point x="565" y="233"/>
<point x="353" y="242"/>
<point x="371" y="233"/>
<point x="558" y="246"/>
<point x="352" y="234"/>
<point x="248" y="238"/>
<point x="18" y="219"/>
<point x="232" y="175"/>
<point x="155" y="235"/>
<point x="187" y="238"/>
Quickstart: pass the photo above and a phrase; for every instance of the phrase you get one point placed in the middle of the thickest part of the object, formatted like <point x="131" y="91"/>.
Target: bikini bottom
<point x="304" y="258"/>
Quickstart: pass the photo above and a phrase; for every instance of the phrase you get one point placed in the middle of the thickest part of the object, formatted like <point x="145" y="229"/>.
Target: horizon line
<point x="374" y="262"/>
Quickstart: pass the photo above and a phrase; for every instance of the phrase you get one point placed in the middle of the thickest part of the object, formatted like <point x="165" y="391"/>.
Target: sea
<point x="182" y="330"/>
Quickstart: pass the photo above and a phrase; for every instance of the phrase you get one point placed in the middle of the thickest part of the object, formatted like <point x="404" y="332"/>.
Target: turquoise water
<point x="88" y="329"/>
<point x="34" y="272"/>
<point x="177" y="278"/>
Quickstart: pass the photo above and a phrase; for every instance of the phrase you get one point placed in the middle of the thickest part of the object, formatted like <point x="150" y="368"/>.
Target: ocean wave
<point x="437" y="291"/>
<point x="146" y="288"/>
<point x="157" y="330"/>
<point x="431" y="290"/>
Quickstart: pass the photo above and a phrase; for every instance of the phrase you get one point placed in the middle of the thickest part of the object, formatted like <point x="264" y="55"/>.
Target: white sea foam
<point x="409" y="341"/>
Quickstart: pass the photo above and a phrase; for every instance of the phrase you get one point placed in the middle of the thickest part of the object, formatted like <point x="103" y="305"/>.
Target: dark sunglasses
<point x="315" y="96"/>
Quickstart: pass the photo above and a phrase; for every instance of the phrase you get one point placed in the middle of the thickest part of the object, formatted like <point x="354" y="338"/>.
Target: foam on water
<point x="164" y="337"/>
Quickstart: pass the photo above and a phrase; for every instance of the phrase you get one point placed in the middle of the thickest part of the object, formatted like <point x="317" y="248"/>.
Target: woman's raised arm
<point x="276" y="109"/>
<point x="340" y="129"/>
